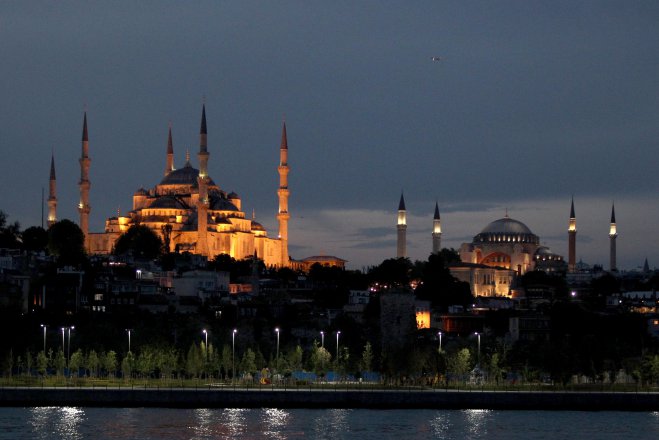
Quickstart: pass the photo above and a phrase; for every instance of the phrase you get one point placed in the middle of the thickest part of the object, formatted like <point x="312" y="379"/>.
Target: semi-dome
<point x="168" y="202"/>
<point x="506" y="230"/>
<point x="184" y="176"/>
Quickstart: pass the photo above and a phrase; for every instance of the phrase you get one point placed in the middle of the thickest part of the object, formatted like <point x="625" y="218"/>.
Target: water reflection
<point x="235" y="421"/>
<point x="477" y="422"/>
<point x="276" y="423"/>
<point x="330" y="424"/>
<point x="441" y="425"/>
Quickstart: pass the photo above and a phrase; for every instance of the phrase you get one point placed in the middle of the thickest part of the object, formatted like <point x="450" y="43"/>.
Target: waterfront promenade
<point x="412" y="398"/>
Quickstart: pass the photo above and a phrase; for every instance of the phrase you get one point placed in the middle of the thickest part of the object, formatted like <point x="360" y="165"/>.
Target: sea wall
<point x="412" y="399"/>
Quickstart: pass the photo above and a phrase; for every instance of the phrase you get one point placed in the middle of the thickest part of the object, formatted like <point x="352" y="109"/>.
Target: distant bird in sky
<point x="436" y="58"/>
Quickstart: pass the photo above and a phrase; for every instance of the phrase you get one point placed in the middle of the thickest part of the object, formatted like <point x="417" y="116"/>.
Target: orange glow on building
<point x="422" y="319"/>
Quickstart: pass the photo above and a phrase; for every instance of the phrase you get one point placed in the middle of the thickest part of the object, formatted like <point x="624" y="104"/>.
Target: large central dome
<point x="183" y="176"/>
<point x="506" y="230"/>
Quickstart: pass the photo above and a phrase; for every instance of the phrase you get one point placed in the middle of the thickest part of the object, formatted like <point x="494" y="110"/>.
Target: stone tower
<point x="283" y="194"/>
<point x="170" y="153"/>
<point x="613" y="234"/>
<point x="202" y="203"/>
<point x="436" y="231"/>
<point x="83" y="207"/>
<point x="401" y="245"/>
<point x="572" y="240"/>
<point x="52" y="194"/>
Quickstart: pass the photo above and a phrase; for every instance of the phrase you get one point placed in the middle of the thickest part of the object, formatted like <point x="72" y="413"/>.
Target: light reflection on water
<point x="331" y="424"/>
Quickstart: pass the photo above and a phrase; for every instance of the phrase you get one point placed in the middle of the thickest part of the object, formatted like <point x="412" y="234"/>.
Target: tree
<point x="128" y="365"/>
<point x="35" y="239"/>
<point x="459" y="363"/>
<point x="393" y="272"/>
<point x="247" y="363"/>
<point x="10" y="234"/>
<point x="66" y="242"/>
<point x="194" y="362"/>
<point x="320" y="359"/>
<point x="367" y="358"/>
<point x="295" y="359"/>
<point x="226" y="359"/>
<point x="139" y="241"/>
<point x="76" y="362"/>
<point x="93" y="363"/>
<point x="59" y="362"/>
<point x="109" y="362"/>
<point x="42" y="363"/>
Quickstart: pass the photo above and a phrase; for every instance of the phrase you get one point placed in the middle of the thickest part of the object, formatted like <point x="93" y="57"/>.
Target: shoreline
<point x="322" y="399"/>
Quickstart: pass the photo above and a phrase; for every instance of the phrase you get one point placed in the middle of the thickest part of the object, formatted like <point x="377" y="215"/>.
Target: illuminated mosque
<point x="188" y="210"/>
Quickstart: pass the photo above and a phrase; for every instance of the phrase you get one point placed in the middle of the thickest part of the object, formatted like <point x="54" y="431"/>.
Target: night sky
<point x="532" y="102"/>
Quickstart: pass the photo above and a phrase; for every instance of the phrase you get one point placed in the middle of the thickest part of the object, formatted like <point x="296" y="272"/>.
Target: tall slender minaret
<point x="283" y="194"/>
<point x="401" y="245"/>
<point x="436" y="231"/>
<point x="83" y="207"/>
<point x="52" y="194"/>
<point x="202" y="203"/>
<point x="170" y="153"/>
<point x="613" y="234"/>
<point x="572" y="240"/>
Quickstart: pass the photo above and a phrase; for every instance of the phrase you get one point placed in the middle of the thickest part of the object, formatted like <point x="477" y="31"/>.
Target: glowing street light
<point x="129" y="330"/>
<point x="205" y="332"/>
<point x="68" y="349"/>
<point x="277" y="331"/>
<point x="337" y="344"/>
<point x="479" y="347"/>
<point x="233" y="355"/>
<point x="44" y="326"/>
<point x="322" y="339"/>
<point x="440" y="341"/>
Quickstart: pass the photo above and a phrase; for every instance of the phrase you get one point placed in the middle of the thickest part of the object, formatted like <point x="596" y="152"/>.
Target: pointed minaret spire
<point x="401" y="244"/>
<point x="572" y="239"/>
<point x="170" y="152"/>
<point x="202" y="181"/>
<point x="436" y="231"/>
<point x="283" y="194"/>
<point x="613" y="234"/>
<point x="52" y="194"/>
<point x="203" y="145"/>
<point x="83" y="206"/>
<point x="646" y="266"/>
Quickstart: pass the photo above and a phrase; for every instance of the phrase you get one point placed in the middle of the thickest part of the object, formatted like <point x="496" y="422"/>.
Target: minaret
<point x="572" y="240"/>
<point x="202" y="203"/>
<point x="52" y="194"/>
<point x="83" y="207"/>
<point x="401" y="247"/>
<point x="283" y="194"/>
<point x="436" y="232"/>
<point x="613" y="234"/>
<point x="170" y="153"/>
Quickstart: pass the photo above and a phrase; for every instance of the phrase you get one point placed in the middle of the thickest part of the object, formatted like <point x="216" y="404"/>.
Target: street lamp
<point x="68" y="349"/>
<point x="44" y="337"/>
<point x="206" y="334"/>
<point x="129" y="330"/>
<point x="233" y="355"/>
<point x="322" y="339"/>
<point x="440" y="341"/>
<point x="63" y="346"/>
<point x="479" y="347"/>
<point x="337" y="344"/>
<point x="277" y="331"/>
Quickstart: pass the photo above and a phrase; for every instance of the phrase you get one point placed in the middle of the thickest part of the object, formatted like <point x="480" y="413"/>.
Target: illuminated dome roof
<point x="256" y="226"/>
<point x="184" y="176"/>
<point x="168" y="202"/>
<point x="506" y="230"/>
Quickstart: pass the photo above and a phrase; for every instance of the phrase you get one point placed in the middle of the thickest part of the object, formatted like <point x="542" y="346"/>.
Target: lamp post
<point x="129" y="330"/>
<point x="479" y="348"/>
<point x="322" y="339"/>
<point x="233" y="355"/>
<point x="338" y="332"/>
<point x="44" y="337"/>
<point x="205" y="332"/>
<point x="277" y="363"/>
<point x="68" y="349"/>
<point x="63" y="346"/>
<point x="440" y="341"/>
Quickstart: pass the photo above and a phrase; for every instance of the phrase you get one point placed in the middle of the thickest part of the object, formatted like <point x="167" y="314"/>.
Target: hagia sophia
<point x="504" y="249"/>
<point x="187" y="209"/>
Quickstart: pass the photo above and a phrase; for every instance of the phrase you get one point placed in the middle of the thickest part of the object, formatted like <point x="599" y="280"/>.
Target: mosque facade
<point x="188" y="210"/>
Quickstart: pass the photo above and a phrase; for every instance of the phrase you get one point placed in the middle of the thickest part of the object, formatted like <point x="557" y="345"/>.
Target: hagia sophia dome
<point x="506" y="230"/>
